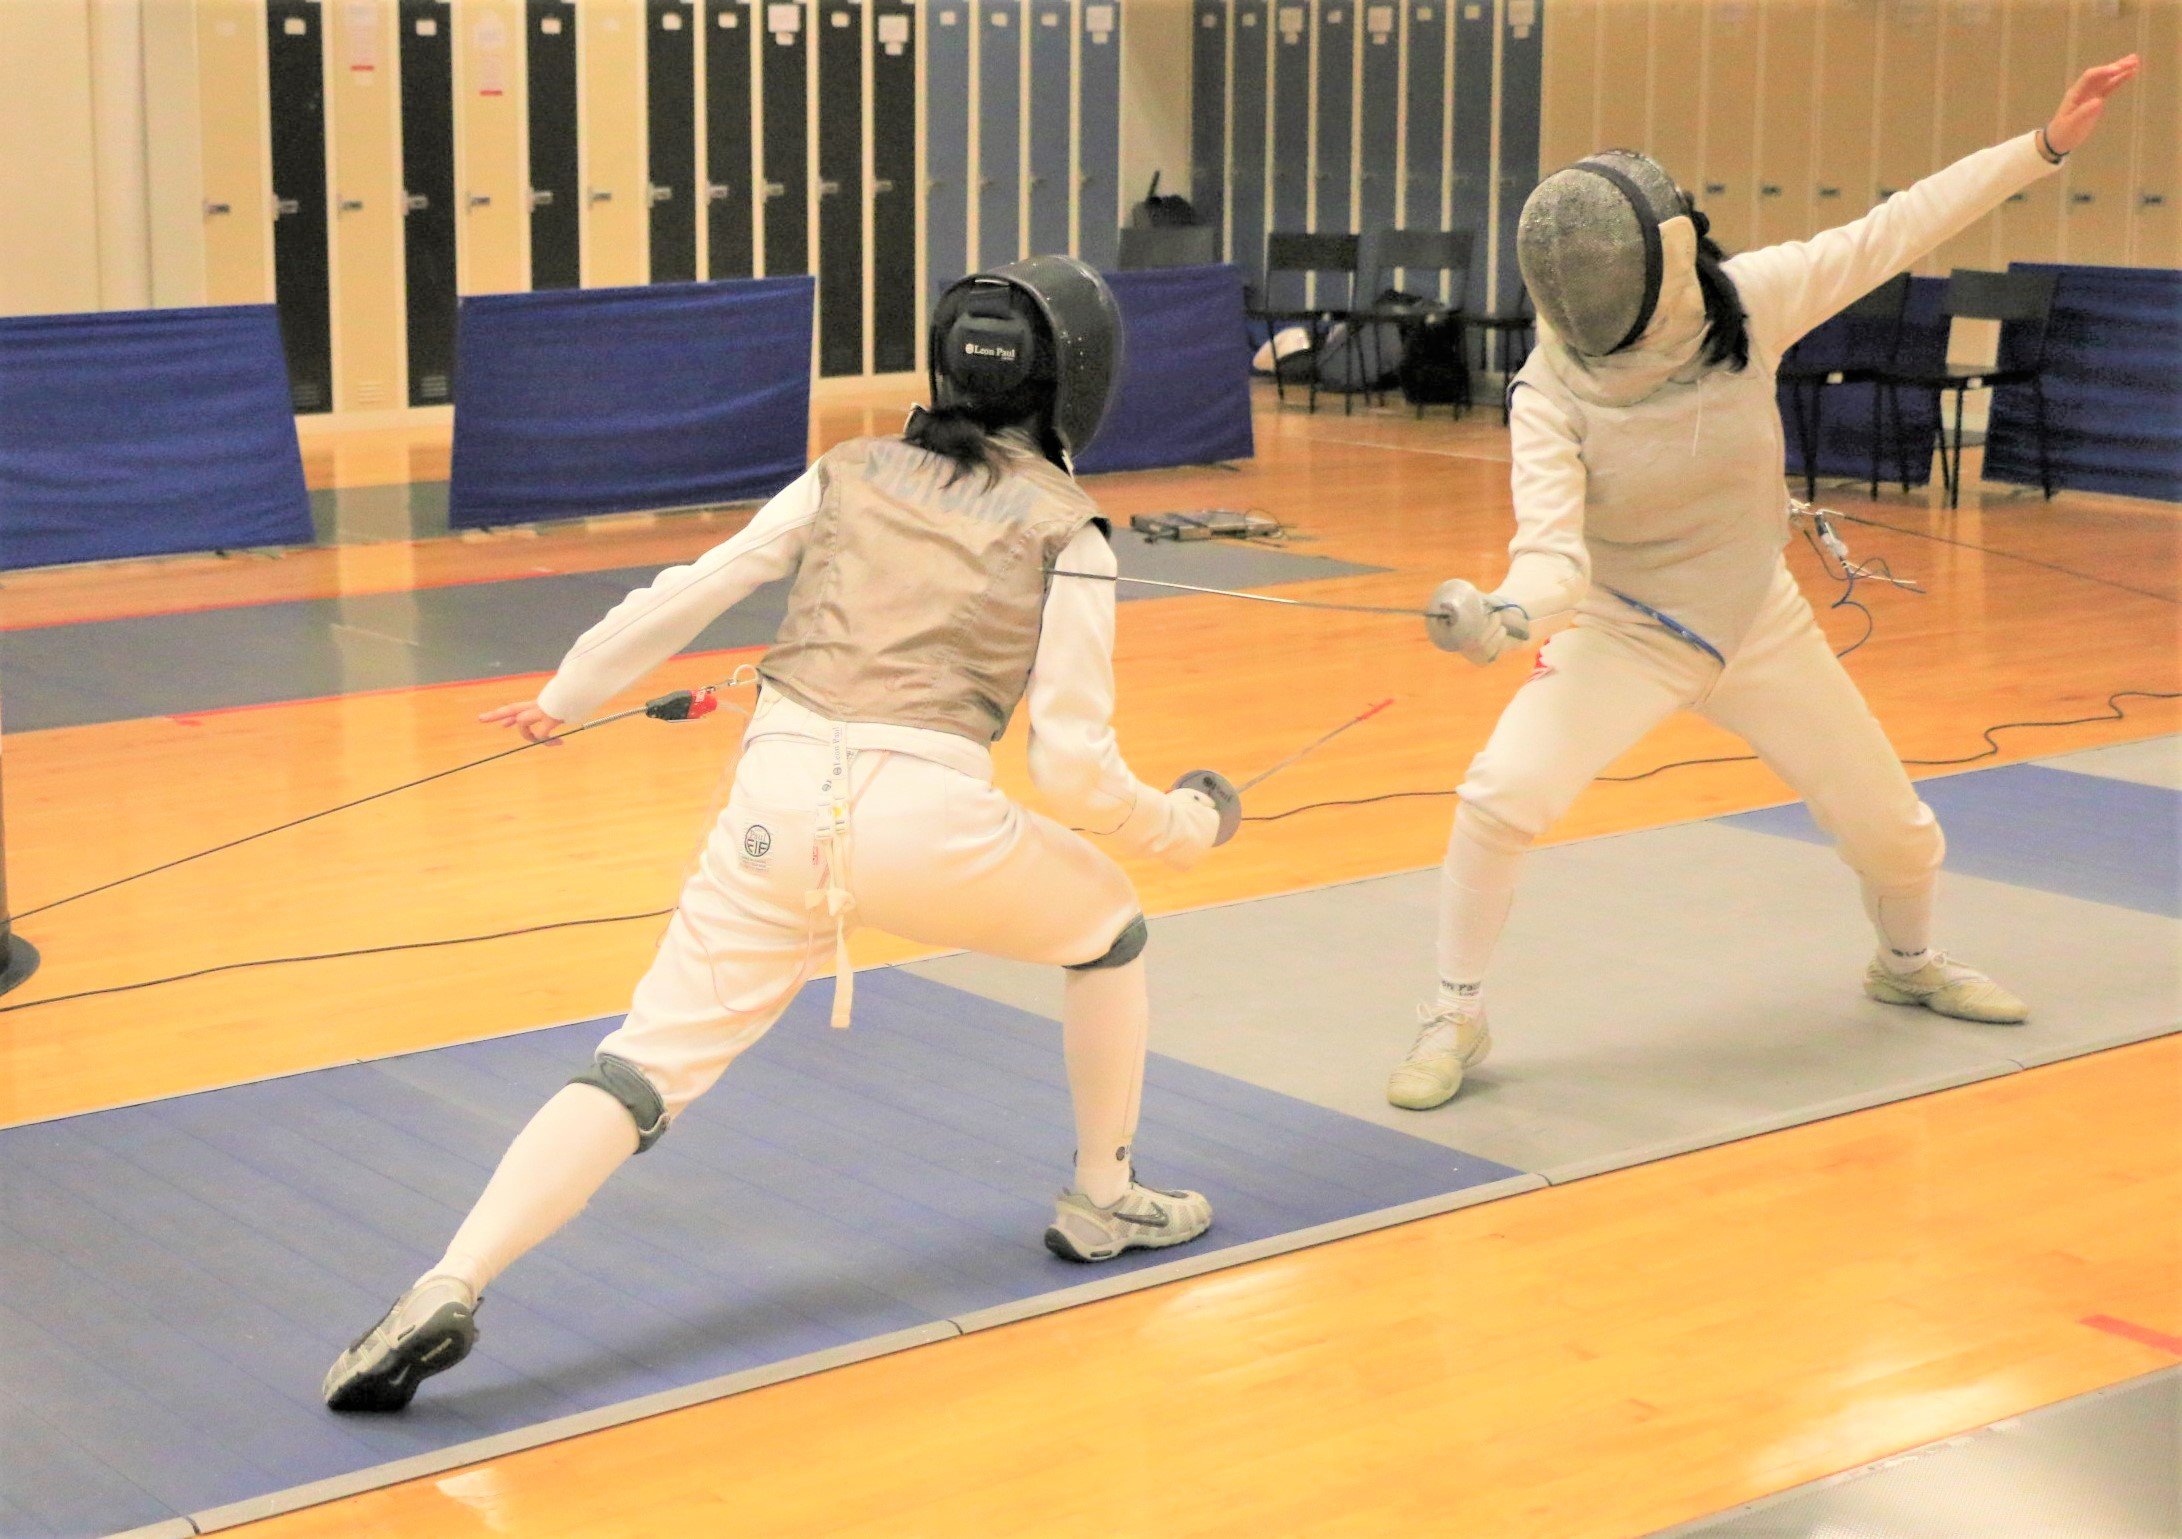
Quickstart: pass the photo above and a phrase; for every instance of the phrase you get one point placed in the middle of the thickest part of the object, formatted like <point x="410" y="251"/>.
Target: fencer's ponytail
<point x="1727" y="328"/>
<point x="963" y="431"/>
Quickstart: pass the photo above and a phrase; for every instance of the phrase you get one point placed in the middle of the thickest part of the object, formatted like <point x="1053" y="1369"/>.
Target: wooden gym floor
<point x="1600" y="1359"/>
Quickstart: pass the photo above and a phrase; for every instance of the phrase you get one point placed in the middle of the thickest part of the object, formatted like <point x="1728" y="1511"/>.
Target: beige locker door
<point x="2035" y="41"/>
<point x="234" y="141"/>
<point x="1624" y="50"/>
<point x="616" y="180"/>
<point x="1969" y="113"/>
<point x="2156" y="230"/>
<point x="1568" y="90"/>
<point x="2099" y="178"/>
<point x="1842" y="175"/>
<point x="364" y="203"/>
<point x="1677" y="127"/>
<point x="1729" y="191"/>
<point x="49" y="251"/>
<point x="493" y="227"/>
<point x="1907" y="113"/>
<point x="1787" y="121"/>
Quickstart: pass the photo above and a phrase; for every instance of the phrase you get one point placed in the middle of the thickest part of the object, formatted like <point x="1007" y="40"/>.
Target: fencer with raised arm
<point x="919" y="615"/>
<point x="1651" y="518"/>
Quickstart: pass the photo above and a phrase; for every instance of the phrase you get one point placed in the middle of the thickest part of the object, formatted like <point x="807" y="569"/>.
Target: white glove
<point x="1193" y="822"/>
<point x="1478" y="625"/>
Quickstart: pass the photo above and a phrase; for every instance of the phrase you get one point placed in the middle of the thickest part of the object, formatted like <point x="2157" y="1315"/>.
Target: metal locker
<point x="2098" y="178"/>
<point x="1969" y="114"/>
<point x="670" y="106"/>
<point x="894" y="307"/>
<point x="1246" y="144"/>
<point x="1291" y="147"/>
<point x="2035" y="71"/>
<point x="1098" y="152"/>
<point x="616" y="207"/>
<point x="1333" y="164"/>
<point x="363" y="133"/>
<point x="233" y="107"/>
<point x="840" y="187"/>
<point x="1624" y="37"/>
<point x="1786" y="141"/>
<point x="1208" y="111"/>
<point x="296" y="94"/>
<point x="784" y="85"/>
<point x="1470" y="177"/>
<point x="494" y="214"/>
<point x="2156" y="225"/>
<point x="729" y="170"/>
<point x="1848" y="68"/>
<point x="1424" y="58"/>
<point x="1728" y="194"/>
<point x="999" y="127"/>
<point x="428" y="196"/>
<point x="1522" y="57"/>
<point x="1051" y="40"/>
<point x="1568" y="126"/>
<point x="556" y="207"/>
<point x="1908" y="60"/>
<point x="1676" y="130"/>
<point x="947" y="143"/>
<point x="1379" y="115"/>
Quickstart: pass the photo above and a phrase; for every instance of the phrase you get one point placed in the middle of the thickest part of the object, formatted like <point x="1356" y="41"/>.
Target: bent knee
<point x="1127" y="947"/>
<point x="1898" y="852"/>
<point x="1481" y="823"/>
<point x="633" y="1088"/>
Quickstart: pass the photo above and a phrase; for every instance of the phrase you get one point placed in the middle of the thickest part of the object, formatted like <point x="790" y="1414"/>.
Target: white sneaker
<point x="430" y="1329"/>
<point x="1947" y="988"/>
<point x="1448" y="1042"/>
<point x="1142" y="1218"/>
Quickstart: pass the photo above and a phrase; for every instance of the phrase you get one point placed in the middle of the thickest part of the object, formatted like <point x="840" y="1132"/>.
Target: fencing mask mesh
<point x="1588" y="243"/>
<point x="1046" y="320"/>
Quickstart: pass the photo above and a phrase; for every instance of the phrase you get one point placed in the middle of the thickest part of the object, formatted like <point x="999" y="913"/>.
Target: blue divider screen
<point x="1845" y="428"/>
<point x="2113" y="387"/>
<point x="573" y="402"/>
<point x="145" y="432"/>
<point x="1185" y="384"/>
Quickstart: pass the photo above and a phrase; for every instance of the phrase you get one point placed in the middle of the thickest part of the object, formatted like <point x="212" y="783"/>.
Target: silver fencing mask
<point x="1044" y="321"/>
<point x="1589" y="247"/>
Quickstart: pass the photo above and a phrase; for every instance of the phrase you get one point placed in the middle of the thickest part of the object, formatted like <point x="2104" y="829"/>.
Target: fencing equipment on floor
<point x="1651" y="515"/>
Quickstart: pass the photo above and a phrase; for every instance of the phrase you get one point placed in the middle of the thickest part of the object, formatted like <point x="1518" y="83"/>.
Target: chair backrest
<point x="1884" y="303"/>
<point x="1295" y="251"/>
<point x="1183" y="245"/>
<point x="1428" y="251"/>
<point x="2010" y="296"/>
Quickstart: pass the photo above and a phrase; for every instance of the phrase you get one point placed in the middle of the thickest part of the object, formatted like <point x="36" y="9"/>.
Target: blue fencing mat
<point x="146" y="432"/>
<point x="176" y="1276"/>
<point x="2083" y="836"/>
<point x="1845" y="414"/>
<point x="584" y="401"/>
<point x="1185" y="384"/>
<point x="2113" y="387"/>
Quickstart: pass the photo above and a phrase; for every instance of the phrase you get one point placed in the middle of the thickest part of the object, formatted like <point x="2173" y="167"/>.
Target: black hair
<point x="1727" y="328"/>
<point x="963" y="429"/>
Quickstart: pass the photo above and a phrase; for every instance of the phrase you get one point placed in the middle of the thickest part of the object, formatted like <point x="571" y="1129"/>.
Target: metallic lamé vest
<point x="920" y="592"/>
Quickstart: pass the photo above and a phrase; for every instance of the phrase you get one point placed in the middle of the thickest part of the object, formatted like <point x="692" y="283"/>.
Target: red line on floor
<point x="2129" y="1330"/>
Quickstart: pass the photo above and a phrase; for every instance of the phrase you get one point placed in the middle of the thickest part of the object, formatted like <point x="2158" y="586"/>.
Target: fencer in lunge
<point x="1650" y="524"/>
<point x="919" y="616"/>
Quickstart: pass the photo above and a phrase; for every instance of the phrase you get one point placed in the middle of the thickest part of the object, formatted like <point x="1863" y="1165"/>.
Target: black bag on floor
<point x="1160" y="213"/>
<point x="1435" y="365"/>
<point x="1370" y="357"/>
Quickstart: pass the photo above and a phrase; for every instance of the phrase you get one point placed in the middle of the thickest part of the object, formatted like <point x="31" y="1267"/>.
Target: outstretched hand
<point x="2085" y="103"/>
<point x="526" y="718"/>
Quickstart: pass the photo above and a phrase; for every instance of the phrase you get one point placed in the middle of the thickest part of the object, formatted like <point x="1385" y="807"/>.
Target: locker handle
<point x="2152" y="200"/>
<point x="661" y="194"/>
<point x="1714" y="189"/>
<point x="1887" y="192"/>
<point x="776" y="189"/>
<point x="2083" y="197"/>
<point x="718" y="192"/>
<point x="480" y="200"/>
<point x="218" y="208"/>
<point x="283" y="206"/>
<point x="1829" y="192"/>
<point x="881" y="184"/>
<point x="349" y="205"/>
<point x="602" y="195"/>
<point x="541" y="197"/>
<point x="827" y="187"/>
<point x="1768" y="190"/>
<point x="2018" y="197"/>
<point x="415" y="202"/>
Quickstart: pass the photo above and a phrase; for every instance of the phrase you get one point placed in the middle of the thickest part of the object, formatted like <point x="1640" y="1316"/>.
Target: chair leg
<point x="2045" y="466"/>
<point x="1817" y="441"/>
<point x="1954" y="489"/>
<point x="1878" y="394"/>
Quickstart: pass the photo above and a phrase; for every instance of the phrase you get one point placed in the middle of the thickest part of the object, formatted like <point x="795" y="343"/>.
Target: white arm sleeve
<point x="1075" y="760"/>
<point x="664" y="616"/>
<point x="1549" y="570"/>
<point x="1789" y="289"/>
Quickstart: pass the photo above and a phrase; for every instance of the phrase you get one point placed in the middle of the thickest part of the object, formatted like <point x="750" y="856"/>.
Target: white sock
<point x="561" y="1157"/>
<point x="1105" y="1016"/>
<point x="1477" y="888"/>
<point x="1903" y="918"/>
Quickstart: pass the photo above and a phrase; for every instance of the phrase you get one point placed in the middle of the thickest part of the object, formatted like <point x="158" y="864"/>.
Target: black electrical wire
<point x="2005" y="555"/>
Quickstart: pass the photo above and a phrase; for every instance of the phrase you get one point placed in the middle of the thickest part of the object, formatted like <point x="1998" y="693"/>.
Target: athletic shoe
<point x="1448" y="1042"/>
<point x="430" y="1329"/>
<point x="1142" y="1218"/>
<point x="1947" y="988"/>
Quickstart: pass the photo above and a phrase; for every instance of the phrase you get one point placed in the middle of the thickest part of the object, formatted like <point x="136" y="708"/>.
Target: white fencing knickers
<point x="1606" y="682"/>
<point x="934" y="855"/>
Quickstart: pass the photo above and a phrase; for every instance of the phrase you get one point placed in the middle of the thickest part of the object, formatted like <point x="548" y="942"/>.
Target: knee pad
<point x="1487" y="829"/>
<point x="626" y="1083"/>
<point x="1127" y="947"/>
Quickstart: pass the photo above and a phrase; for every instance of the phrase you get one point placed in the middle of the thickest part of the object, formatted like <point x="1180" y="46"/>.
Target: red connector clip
<point x="683" y="705"/>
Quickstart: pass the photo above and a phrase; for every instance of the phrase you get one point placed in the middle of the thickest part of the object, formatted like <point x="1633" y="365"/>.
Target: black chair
<point x="1420" y="251"/>
<point x="2022" y="302"/>
<point x="1183" y="245"/>
<point x="1851" y="349"/>
<point x="1302" y="254"/>
<point x="1506" y="330"/>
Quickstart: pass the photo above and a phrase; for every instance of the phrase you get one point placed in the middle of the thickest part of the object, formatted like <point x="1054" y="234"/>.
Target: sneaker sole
<point x="389" y="1385"/>
<point x="1887" y="994"/>
<point x="1061" y="1245"/>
